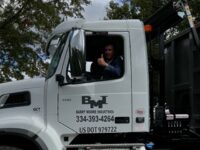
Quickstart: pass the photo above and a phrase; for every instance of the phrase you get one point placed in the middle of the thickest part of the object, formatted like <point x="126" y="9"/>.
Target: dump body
<point x="182" y="76"/>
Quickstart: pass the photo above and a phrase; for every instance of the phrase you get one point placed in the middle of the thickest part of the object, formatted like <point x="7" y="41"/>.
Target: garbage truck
<point x="153" y="104"/>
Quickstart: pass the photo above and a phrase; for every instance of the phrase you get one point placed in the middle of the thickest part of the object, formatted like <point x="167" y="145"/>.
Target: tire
<point x="9" y="148"/>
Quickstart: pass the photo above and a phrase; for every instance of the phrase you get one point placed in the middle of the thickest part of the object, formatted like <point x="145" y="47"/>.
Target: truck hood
<point x="21" y="85"/>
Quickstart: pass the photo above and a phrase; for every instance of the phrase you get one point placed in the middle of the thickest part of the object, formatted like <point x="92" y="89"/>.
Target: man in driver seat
<point x="108" y="66"/>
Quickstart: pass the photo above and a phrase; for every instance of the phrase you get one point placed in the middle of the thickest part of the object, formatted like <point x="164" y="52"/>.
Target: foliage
<point x="143" y="9"/>
<point x="24" y="28"/>
<point x="195" y="5"/>
<point x="133" y="9"/>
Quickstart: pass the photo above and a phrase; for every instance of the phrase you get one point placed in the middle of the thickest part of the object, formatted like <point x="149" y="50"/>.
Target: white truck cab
<point x="76" y="107"/>
<point x="70" y="106"/>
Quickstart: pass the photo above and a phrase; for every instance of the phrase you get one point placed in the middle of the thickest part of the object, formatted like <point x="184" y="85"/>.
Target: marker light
<point x="148" y="28"/>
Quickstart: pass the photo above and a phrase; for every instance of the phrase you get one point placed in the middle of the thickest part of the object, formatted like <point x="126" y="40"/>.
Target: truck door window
<point x="104" y="58"/>
<point x="104" y="55"/>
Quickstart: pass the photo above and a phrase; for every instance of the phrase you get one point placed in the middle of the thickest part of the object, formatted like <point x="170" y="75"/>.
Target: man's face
<point x="109" y="52"/>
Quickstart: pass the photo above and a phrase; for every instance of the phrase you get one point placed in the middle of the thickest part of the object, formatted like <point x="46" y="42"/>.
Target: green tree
<point x="120" y="10"/>
<point x="24" y="29"/>
<point x="194" y="6"/>
<point x="143" y="9"/>
<point x="133" y="9"/>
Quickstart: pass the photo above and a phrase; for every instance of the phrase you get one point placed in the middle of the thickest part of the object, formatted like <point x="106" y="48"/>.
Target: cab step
<point x="120" y="146"/>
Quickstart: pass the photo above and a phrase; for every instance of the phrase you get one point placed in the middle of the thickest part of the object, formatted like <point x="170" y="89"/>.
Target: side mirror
<point x="77" y="53"/>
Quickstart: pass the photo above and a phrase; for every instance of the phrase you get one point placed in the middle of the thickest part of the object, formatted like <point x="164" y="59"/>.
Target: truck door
<point x="92" y="105"/>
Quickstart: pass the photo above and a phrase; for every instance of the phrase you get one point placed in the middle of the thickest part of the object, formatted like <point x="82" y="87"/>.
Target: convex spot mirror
<point x="77" y="53"/>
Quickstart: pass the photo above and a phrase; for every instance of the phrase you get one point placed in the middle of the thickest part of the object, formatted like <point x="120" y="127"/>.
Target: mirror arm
<point x="60" y="79"/>
<point x="63" y="84"/>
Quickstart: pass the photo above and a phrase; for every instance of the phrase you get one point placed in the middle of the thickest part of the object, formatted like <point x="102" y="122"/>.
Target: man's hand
<point x="101" y="61"/>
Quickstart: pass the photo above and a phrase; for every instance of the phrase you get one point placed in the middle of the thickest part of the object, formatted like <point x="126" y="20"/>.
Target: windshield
<point x="58" y="52"/>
